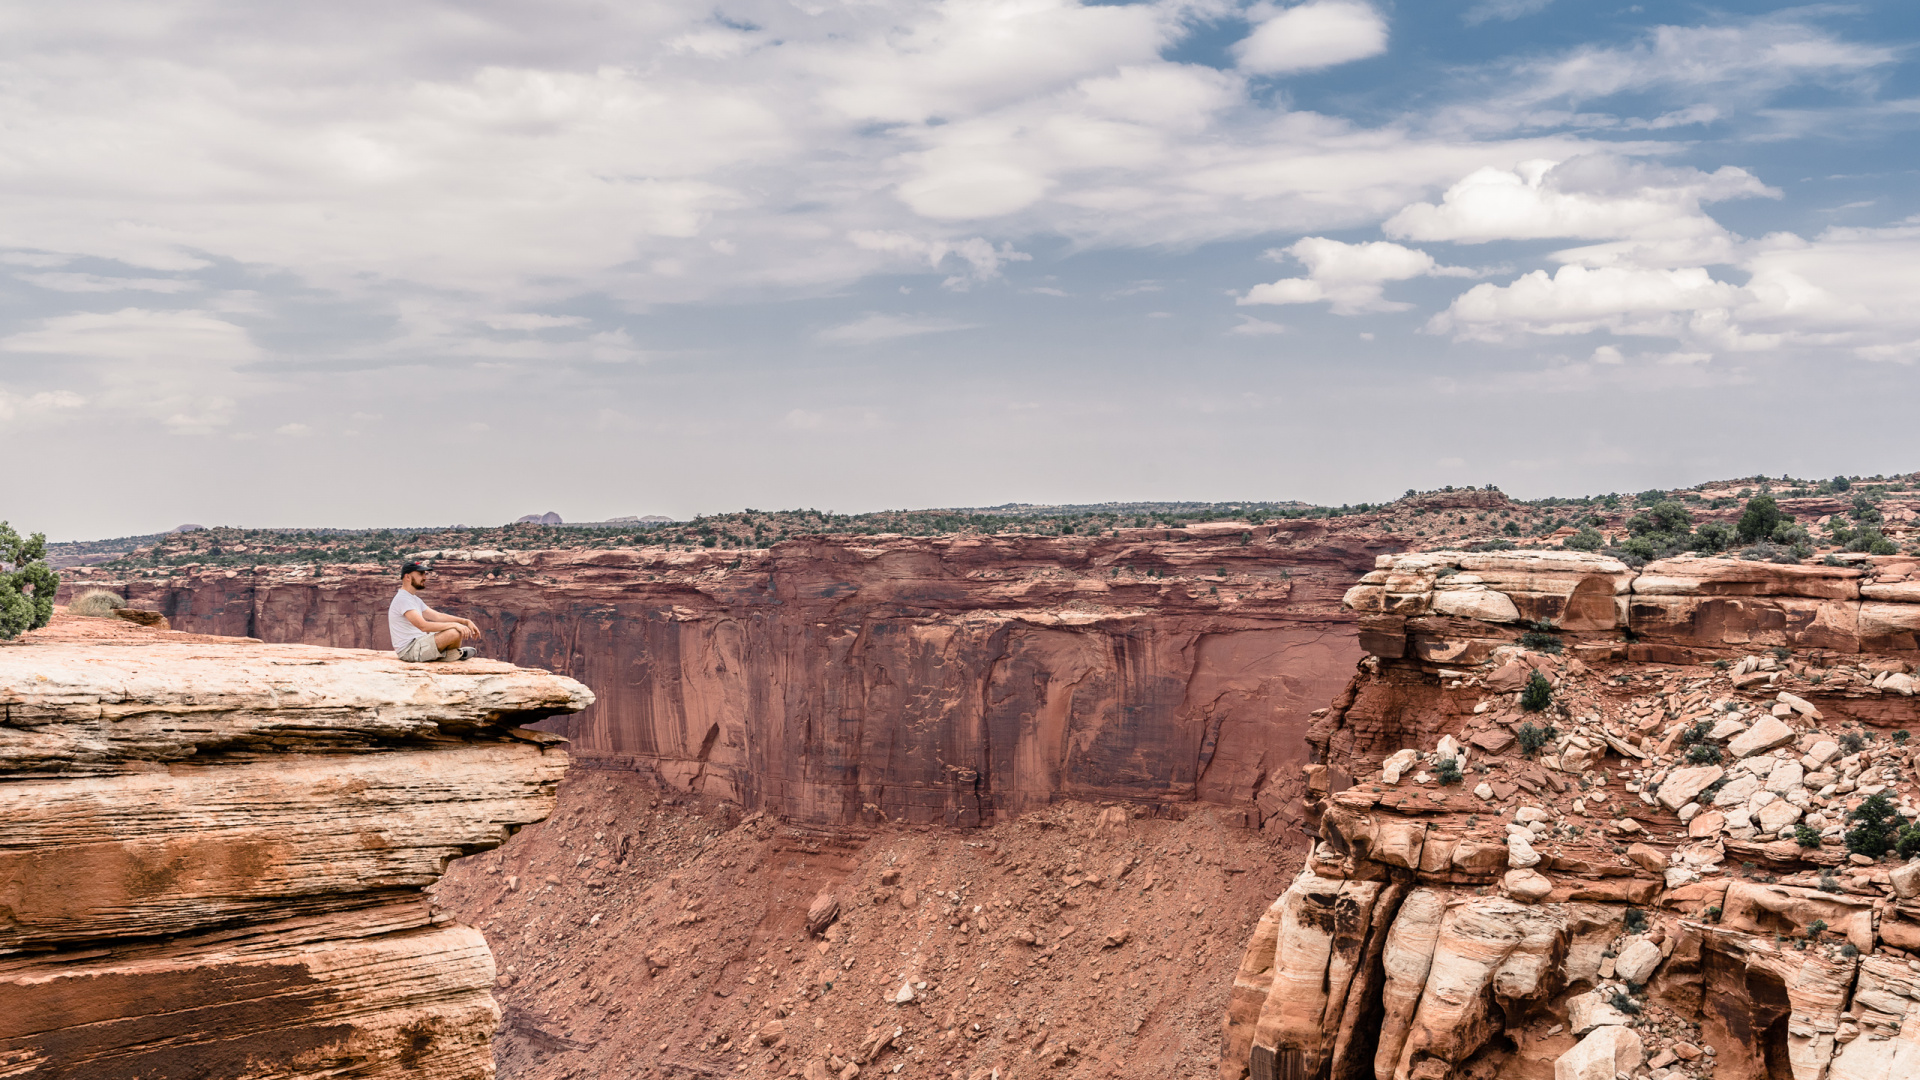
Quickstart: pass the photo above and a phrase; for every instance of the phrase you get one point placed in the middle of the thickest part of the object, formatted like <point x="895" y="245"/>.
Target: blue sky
<point x="277" y="269"/>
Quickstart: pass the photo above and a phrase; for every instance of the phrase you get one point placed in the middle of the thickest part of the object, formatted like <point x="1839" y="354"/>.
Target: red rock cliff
<point x="927" y="679"/>
<point x="212" y="854"/>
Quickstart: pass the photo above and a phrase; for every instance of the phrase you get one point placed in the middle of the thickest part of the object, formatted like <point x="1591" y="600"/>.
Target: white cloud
<point x="532" y="321"/>
<point x="15" y="406"/>
<point x="1739" y="58"/>
<point x="1579" y="300"/>
<point x="1504" y="10"/>
<point x="1252" y="327"/>
<point x="1316" y="34"/>
<point x="92" y="283"/>
<point x="1651" y="211"/>
<point x="1352" y="277"/>
<point x="178" y="367"/>
<point x="875" y="327"/>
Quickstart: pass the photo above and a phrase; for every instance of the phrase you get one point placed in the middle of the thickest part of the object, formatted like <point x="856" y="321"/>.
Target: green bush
<point x="1816" y="928"/>
<point x="1872" y="836"/>
<point x="1533" y="737"/>
<point x="1703" y="754"/>
<point x="1448" y="770"/>
<point x="26" y="592"/>
<point x="1636" y="921"/>
<point x="1587" y="539"/>
<point x="1540" y="641"/>
<point x="1907" y="845"/>
<point x="1761" y="517"/>
<point x="1806" y="835"/>
<point x="1538" y="694"/>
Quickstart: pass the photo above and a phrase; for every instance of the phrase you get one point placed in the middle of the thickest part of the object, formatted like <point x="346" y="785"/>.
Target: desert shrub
<point x="1533" y="737"/>
<point x="95" y="602"/>
<point x="1907" y="843"/>
<point x="1849" y="950"/>
<point x="1703" y="754"/>
<point x="1714" y="536"/>
<point x="1538" y="694"/>
<point x="1448" y="770"/>
<point x="1587" y="539"/>
<point x="1806" y="835"/>
<point x="1872" y="835"/>
<point x="1759" y="519"/>
<point x="1698" y="733"/>
<point x="1816" y="928"/>
<point x="1636" y="921"/>
<point x="26" y="591"/>
<point x="1852" y="741"/>
<point x="1624" y="1002"/>
<point x="1900" y="737"/>
<point x="1541" y="639"/>
<point x="1713" y="913"/>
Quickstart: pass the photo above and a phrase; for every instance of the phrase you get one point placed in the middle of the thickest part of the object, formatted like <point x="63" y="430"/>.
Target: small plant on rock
<point x="1815" y="929"/>
<point x="1703" y="754"/>
<point x="1908" y="842"/>
<point x="1636" y="921"/>
<point x="1538" y="695"/>
<point x="1806" y="835"/>
<point x="1533" y="737"/>
<point x="1448" y="770"/>
<point x="1624" y="1002"/>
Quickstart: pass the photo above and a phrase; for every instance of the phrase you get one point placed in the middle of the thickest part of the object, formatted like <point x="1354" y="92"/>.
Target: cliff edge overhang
<point x="213" y="852"/>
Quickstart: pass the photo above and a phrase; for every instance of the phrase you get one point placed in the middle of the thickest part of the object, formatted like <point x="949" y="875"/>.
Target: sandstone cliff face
<point x="845" y="679"/>
<point x="1661" y="888"/>
<point x="212" y="853"/>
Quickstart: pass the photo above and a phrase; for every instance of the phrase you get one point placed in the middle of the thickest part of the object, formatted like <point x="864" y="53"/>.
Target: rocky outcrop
<point x="840" y="679"/>
<point x="1649" y="873"/>
<point x="213" y="854"/>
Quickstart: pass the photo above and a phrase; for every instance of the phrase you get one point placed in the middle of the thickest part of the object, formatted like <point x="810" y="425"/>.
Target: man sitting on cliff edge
<point x="420" y="633"/>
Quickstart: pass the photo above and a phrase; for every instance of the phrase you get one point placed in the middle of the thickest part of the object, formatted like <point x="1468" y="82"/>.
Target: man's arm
<point x="433" y="622"/>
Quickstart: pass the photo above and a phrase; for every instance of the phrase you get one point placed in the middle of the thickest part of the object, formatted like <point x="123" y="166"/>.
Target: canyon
<point x="1172" y="802"/>
<point x="842" y="680"/>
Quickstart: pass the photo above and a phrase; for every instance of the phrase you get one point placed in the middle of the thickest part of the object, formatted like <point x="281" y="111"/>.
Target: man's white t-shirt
<point x="398" y="627"/>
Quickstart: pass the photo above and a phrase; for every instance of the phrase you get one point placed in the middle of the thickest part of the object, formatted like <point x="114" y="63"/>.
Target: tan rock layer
<point x="211" y="855"/>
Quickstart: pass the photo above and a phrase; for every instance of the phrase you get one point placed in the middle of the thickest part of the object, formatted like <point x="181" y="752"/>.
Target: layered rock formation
<point x="212" y="853"/>
<point x="923" y="679"/>
<point x="1647" y="876"/>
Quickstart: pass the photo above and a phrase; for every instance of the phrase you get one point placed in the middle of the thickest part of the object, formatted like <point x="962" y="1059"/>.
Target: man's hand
<point x="473" y="628"/>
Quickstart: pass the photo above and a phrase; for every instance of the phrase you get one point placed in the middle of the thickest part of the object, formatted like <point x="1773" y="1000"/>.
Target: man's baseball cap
<point x="413" y="566"/>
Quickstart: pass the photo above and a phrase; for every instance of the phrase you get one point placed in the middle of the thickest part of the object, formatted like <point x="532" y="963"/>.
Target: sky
<point x="365" y="264"/>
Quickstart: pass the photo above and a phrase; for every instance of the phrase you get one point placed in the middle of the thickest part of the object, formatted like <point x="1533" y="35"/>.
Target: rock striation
<point x="925" y="679"/>
<point x="1653" y="873"/>
<point x="213" y="853"/>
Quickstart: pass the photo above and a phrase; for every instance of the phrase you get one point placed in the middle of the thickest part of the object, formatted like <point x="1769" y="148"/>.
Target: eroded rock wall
<point x="1650" y="876"/>
<point x="212" y="854"/>
<point x="920" y="679"/>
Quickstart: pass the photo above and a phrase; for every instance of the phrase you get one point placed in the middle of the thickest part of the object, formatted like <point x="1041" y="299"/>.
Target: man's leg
<point x="449" y="642"/>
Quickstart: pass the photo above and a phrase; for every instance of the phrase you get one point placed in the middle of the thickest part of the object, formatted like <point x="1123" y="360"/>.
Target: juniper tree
<point x="27" y="583"/>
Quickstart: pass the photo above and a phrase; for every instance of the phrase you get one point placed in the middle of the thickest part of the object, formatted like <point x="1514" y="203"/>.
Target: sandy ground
<point x="643" y="935"/>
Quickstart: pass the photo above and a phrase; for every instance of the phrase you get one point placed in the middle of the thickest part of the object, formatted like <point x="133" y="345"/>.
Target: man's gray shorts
<point x="422" y="649"/>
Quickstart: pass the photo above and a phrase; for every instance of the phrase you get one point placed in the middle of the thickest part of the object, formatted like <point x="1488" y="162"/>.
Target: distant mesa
<point x="186" y="528"/>
<point x="649" y="519"/>
<point x="548" y="518"/>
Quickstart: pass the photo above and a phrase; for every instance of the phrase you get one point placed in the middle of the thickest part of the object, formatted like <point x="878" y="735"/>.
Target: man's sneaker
<point x="467" y="652"/>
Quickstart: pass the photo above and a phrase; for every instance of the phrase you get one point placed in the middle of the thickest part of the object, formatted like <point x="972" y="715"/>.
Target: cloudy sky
<point x="367" y="264"/>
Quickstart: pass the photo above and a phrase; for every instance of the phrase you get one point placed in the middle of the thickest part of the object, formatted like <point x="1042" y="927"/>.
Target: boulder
<point x="822" y="912"/>
<point x="1591" y="1010"/>
<point x="1527" y="886"/>
<point x="1777" y="815"/>
<point x="1906" y="881"/>
<point x="1520" y="854"/>
<point x="1637" y="961"/>
<point x="1786" y="776"/>
<point x="1737" y="791"/>
<point x="1397" y="764"/>
<point x="1767" y="733"/>
<point x="1606" y="1052"/>
<point x="1682" y="786"/>
<point x="1650" y="858"/>
<point x="1800" y="705"/>
<point x="1707" y="824"/>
